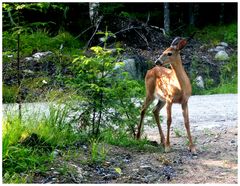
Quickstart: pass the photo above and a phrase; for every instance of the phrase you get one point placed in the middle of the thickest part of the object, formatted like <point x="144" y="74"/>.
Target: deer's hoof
<point x="167" y="149"/>
<point x="193" y="150"/>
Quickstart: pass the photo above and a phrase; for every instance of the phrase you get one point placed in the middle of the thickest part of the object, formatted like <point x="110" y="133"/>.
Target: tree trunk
<point x="93" y="13"/>
<point x="191" y="14"/>
<point x="221" y="14"/>
<point x="166" y="17"/>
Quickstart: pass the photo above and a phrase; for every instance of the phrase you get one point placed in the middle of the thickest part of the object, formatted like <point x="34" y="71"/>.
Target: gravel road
<point x="205" y="111"/>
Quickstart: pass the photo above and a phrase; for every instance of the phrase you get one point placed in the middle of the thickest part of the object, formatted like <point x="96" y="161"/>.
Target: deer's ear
<point x="181" y="44"/>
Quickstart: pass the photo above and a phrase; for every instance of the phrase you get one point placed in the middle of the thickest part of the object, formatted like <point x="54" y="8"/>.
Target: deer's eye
<point x="169" y="53"/>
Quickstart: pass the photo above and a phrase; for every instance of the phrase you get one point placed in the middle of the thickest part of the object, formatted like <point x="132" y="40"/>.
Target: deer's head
<point x="170" y="55"/>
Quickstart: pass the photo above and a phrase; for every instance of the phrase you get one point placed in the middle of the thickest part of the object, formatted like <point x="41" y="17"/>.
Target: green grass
<point x="9" y="93"/>
<point x="122" y="139"/>
<point x="40" y="41"/>
<point x="230" y="88"/>
<point x="28" y="144"/>
<point x="225" y="88"/>
<point x="215" y="34"/>
<point x="98" y="151"/>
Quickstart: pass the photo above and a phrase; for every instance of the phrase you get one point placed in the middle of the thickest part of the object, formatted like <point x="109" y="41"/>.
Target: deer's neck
<point x="181" y="76"/>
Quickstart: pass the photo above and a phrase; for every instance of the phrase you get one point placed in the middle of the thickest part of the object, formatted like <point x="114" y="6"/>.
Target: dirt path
<point x="214" y="127"/>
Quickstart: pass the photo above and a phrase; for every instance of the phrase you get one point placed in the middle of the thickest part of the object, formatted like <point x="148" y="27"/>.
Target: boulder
<point x="223" y="44"/>
<point x="37" y="56"/>
<point x="221" y="56"/>
<point x="219" y="48"/>
<point x="136" y="66"/>
<point x="199" y="82"/>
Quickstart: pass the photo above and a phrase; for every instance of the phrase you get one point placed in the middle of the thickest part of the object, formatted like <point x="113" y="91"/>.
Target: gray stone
<point x="211" y="50"/>
<point x="199" y="82"/>
<point x="27" y="59"/>
<point x="55" y="152"/>
<point x="130" y="66"/>
<point x="221" y="56"/>
<point x="37" y="56"/>
<point x="10" y="55"/>
<point x="219" y="48"/>
<point x="146" y="167"/>
<point x="223" y="44"/>
<point x="56" y="172"/>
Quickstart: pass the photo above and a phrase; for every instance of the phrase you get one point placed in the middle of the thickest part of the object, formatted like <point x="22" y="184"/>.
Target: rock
<point x="145" y="167"/>
<point x="37" y="56"/>
<point x="218" y="152"/>
<point x="211" y="50"/>
<point x="27" y="59"/>
<point x="27" y="71"/>
<point x="219" y="48"/>
<point x="56" y="172"/>
<point x="56" y="153"/>
<point x="199" y="82"/>
<point x="194" y="156"/>
<point x="135" y="65"/>
<point x="168" y="172"/>
<point x="223" y="44"/>
<point x="10" y="55"/>
<point x="54" y="179"/>
<point x="109" y="177"/>
<point x="221" y="56"/>
<point x="130" y="66"/>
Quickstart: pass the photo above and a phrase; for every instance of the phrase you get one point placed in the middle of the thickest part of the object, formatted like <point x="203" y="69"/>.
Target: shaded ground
<point x="216" y="163"/>
<point x="215" y="134"/>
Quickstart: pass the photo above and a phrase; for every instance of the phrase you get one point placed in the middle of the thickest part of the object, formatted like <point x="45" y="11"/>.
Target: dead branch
<point x="83" y="32"/>
<point x="143" y="37"/>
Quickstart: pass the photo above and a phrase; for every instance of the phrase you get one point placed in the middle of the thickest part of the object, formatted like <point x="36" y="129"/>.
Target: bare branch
<point x="84" y="32"/>
<point x="97" y="25"/>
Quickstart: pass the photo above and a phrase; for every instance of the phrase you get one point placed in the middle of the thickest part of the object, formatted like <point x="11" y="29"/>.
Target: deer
<point x="168" y="86"/>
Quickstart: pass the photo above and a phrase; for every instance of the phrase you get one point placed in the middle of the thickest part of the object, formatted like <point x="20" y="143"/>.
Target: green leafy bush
<point x="105" y="92"/>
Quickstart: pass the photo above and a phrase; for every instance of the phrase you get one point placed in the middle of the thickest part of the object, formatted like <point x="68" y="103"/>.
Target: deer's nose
<point x="158" y="62"/>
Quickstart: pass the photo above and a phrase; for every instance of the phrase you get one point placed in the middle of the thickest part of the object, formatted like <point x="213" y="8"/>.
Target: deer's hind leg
<point x="156" y="111"/>
<point x="169" y="122"/>
<point x="145" y="106"/>
<point x="187" y="125"/>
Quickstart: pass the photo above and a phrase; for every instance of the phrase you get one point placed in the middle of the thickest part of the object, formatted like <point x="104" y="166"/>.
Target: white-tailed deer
<point x="168" y="86"/>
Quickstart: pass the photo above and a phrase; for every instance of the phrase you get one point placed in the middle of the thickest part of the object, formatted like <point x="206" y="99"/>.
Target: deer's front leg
<point x="169" y="121"/>
<point x="186" y="122"/>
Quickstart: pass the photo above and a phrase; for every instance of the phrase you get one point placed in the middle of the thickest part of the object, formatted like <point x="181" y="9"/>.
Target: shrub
<point x="105" y="92"/>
